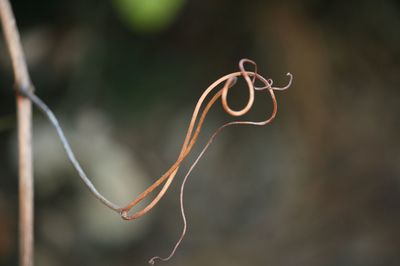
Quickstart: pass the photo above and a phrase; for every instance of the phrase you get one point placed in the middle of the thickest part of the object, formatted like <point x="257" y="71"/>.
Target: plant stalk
<point x="24" y="116"/>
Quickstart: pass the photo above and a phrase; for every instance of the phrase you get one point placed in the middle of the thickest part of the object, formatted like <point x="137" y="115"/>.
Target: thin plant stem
<point x="67" y="147"/>
<point x="24" y="116"/>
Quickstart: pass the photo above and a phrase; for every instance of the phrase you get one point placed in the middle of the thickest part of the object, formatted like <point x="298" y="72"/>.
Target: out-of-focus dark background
<point x="319" y="186"/>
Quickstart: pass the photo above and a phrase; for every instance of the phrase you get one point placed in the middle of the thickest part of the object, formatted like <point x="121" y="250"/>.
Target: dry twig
<point x="24" y="109"/>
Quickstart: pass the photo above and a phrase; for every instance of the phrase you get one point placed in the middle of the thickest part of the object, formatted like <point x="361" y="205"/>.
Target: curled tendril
<point x="227" y="82"/>
<point x="193" y="133"/>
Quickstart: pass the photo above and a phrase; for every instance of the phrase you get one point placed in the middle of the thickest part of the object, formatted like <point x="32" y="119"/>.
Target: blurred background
<point x="319" y="186"/>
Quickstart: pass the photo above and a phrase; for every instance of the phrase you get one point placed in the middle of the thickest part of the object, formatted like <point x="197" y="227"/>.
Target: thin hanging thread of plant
<point x="192" y="134"/>
<point x="230" y="81"/>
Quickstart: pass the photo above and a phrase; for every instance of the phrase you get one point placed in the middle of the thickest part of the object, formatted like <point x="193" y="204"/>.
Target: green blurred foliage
<point x="148" y="15"/>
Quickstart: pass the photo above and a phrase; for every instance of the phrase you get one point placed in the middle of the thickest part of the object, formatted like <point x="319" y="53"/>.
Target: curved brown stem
<point x="191" y="137"/>
<point x="267" y="85"/>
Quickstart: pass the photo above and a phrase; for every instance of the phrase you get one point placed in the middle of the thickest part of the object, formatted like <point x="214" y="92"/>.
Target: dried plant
<point x="227" y="82"/>
<point x="220" y="89"/>
<point x="230" y="81"/>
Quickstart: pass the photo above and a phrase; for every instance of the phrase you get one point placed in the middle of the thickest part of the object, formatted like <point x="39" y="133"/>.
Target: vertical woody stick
<point x="24" y="110"/>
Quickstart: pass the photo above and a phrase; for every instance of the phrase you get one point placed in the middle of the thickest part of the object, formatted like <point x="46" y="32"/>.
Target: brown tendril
<point x="191" y="137"/>
<point x="192" y="134"/>
<point x="229" y="82"/>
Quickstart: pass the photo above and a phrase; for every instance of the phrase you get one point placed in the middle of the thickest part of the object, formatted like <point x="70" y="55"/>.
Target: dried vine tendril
<point x="230" y="81"/>
<point x="195" y="125"/>
<point x="191" y="136"/>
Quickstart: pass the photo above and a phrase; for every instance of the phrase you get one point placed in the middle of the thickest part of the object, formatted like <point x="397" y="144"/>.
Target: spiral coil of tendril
<point x="192" y="134"/>
<point x="229" y="81"/>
